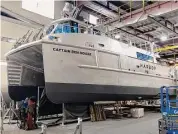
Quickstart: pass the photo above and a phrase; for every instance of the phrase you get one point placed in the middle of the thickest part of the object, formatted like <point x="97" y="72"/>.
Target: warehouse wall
<point x="16" y="7"/>
<point x="10" y="30"/>
<point x="58" y="8"/>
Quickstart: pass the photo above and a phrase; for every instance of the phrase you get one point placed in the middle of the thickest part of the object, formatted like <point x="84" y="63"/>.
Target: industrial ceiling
<point x="141" y="22"/>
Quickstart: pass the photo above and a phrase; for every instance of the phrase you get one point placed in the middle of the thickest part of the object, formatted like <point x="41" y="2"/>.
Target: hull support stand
<point x="10" y="113"/>
<point x="38" y="103"/>
<point x="79" y="126"/>
<point x="63" y="114"/>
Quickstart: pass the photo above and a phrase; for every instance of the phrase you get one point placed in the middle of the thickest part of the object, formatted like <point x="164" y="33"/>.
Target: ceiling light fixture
<point x="93" y="19"/>
<point x="117" y="36"/>
<point x="163" y="38"/>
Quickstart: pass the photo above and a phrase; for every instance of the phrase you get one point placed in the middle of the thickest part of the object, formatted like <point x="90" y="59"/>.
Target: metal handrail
<point x="33" y="36"/>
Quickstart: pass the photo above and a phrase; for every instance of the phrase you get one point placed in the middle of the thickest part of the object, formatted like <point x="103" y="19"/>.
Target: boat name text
<point x="148" y="66"/>
<point x="71" y="51"/>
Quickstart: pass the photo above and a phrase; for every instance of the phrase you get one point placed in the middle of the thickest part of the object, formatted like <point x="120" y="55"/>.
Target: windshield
<point x="67" y="27"/>
<point x="50" y="29"/>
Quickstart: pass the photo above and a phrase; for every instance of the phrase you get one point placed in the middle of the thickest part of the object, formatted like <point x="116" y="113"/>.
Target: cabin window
<point x="63" y="28"/>
<point x="74" y="27"/>
<point x="68" y="27"/>
<point x="50" y="29"/>
<point x="96" y="32"/>
<point x="58" y="29"/>
<point x="83" y="29"/>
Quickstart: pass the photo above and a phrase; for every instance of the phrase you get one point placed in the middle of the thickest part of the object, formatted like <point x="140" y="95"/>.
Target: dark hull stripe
<point x="70" y="92"/>
<point x="19" y="93"/>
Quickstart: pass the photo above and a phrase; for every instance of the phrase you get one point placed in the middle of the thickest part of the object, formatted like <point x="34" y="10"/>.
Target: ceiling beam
<point x="162" y="25"/>
<point x="98" y="8"/>
<point x="171" y="41"/>
<point x="131" y="34"/>
<point x="149" y="31"/>
<point x="20" y="17"/>
<point x="118" y="9"/>
<point x="139" y="32"/>
<point x="169" y="56"/>
<point x="156" y="9"/>
<point x="19" y="22"/>
<point x="105" y="6"/>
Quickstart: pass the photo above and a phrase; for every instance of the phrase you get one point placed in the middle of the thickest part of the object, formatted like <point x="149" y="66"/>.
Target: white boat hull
<point x="84" y="74"/>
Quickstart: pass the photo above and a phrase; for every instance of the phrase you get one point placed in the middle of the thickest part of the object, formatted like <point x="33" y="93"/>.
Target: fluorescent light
<point x="93" y="19"/>
<point x="163" y="38"/>
<point x="117" y="36"/>
<point x="3" y="63"/>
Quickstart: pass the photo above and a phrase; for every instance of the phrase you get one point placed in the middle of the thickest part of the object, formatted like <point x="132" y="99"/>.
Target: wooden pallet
<point x="97" y="113"/>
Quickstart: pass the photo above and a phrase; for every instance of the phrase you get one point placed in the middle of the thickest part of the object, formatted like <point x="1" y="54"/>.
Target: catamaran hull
<point x="82" y="74"/>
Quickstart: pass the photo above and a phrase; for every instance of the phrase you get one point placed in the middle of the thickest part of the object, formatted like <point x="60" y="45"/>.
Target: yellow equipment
<point x="166" y="48"/>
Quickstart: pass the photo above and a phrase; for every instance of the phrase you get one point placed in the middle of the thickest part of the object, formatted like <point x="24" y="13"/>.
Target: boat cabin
<point x="69" y="25"/>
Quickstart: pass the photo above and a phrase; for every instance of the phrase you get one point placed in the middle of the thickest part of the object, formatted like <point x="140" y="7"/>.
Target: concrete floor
<point x="146" y="125"/>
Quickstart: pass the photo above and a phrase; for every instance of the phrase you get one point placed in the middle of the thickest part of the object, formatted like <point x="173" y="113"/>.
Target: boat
<point x="74" y="62"/>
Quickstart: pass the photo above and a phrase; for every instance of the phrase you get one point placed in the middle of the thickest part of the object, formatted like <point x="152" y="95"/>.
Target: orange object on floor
<point x="30" y="121"/>
<point x="30" y="114"/>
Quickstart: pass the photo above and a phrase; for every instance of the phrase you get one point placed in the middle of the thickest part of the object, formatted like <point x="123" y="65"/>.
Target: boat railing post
<point x="63" y="114"/>
<point x="38" y="104"/>
<point x="10" y="113"/>
<point x="80" y="125"/>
